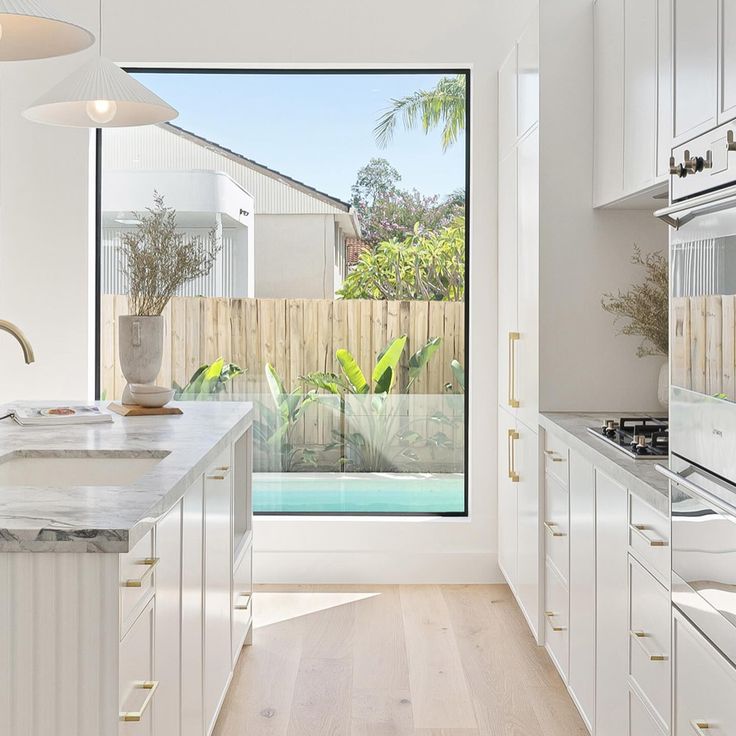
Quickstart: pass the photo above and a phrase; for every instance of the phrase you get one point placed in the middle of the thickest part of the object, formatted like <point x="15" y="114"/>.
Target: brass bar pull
<point x="642" y="529"/>
<point x="243" y="606"/>
<point x="512" y="436"/>
<point x="700" y="726"/>
<point x="553" y="529"/>
<point x="512" y="401"/>
<point x="554" y="457"/>
<point x="219" y="473"/>
<point x="137" y="715"/>
<point x="150" y="563"/>
<point x="639" y="637"/>
<point x="550" y="615"/>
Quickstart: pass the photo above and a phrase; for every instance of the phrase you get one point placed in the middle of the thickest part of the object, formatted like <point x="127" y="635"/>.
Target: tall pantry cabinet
<point x="518" y="343"/>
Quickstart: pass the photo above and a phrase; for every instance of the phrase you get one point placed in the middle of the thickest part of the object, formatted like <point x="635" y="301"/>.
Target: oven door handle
<point x="696" y="490"/>
<point x="683" y="212"/>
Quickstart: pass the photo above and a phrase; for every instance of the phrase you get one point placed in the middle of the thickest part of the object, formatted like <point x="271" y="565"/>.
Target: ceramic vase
<point x="141" y="345"/>
<point x="663" y="385"/>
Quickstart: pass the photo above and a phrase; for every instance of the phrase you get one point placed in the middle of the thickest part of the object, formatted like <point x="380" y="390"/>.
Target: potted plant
<point x="157" y="260"/>
<point x="644" y="311"/>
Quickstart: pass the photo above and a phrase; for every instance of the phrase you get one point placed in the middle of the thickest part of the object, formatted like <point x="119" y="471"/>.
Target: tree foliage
<point x="422" y="266"/>
<point x="443" y="105"/>
<point x="386" y="211"/>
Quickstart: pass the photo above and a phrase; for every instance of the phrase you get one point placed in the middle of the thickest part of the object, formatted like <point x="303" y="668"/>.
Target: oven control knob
<point x="677" y="169"/>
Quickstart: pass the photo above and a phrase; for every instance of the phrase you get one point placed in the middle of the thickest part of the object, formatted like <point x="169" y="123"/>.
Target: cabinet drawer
<point x="649" y="640"/>
<point x="556" y="606"/>
<point x="704" y="684"/>
<point x="649" y="537"/>
<point x="556" y="525"/>
<point x="242" y="600"/>
<point x="556" y="458"/>
<point x="136" y="683"/>
<point x="641" y="721"/>
<point x="136" y="579"/>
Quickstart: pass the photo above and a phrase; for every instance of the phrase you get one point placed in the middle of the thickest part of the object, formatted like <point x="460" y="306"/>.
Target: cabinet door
<point x="217" y="587"/>
<point x="507" y="104"/>
<point x="664" y="87"/>
<point x="192" y="606"/>
<point x="167" y="659"/>
<point x="704" y="684"/>
<point x="527" y="86"/>
<point x="612" y="630"/>
<point x="507" y="292"/>
<point x="507" y="500"/>
<point x="582" y="585"/>
<point x="727" y="78"/>
<point x="608" y="179"/>
<point x="526" y="462"/>
<point x="527" y="355"/>
<point x="138" y="689"/>
<point x="695" y="67"/>
<point x="640" y="93"/>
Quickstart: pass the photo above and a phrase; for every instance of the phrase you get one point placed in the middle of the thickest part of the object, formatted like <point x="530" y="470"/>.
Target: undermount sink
<point x="68" y="470"/>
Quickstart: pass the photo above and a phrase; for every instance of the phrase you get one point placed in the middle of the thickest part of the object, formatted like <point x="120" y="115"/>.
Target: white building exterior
<point x="297" y="234"/>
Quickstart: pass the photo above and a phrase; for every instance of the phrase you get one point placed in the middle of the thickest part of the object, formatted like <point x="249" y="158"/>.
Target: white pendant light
<point x="99" y="95"/>
<point x="29" y="31"/>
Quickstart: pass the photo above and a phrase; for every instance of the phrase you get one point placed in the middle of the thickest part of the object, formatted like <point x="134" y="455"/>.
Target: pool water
<point x="361" y="493"/>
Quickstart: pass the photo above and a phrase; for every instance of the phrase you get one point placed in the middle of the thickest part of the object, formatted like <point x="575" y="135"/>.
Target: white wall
<point x="44" y="232"/>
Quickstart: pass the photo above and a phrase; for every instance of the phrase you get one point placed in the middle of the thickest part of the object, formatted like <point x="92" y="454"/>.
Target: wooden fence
<point x="295" y="335"/>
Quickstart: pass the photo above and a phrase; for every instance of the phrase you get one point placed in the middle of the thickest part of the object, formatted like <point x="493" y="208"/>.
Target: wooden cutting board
<point x="133" y="410"/>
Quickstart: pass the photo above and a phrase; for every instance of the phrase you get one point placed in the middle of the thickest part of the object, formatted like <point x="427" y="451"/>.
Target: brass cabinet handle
<point x="137" y="715"/>
<point x="150" y="563"/>
<point x="553" y="529"/>
<point x="642" y="529"/>
<point x="639" y="637"/>
<point x="511" y="436"/>
<point x="219" y="473"/>
<point x="550" y="615"/>
<point x="243" y="606"/>
<point x="554" y="457"/>
<point x="699" y="726"/>
<point x="512" y="400"/>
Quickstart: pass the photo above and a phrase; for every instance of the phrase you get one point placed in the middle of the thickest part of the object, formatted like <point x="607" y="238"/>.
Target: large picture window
<point x="320" y="221"/>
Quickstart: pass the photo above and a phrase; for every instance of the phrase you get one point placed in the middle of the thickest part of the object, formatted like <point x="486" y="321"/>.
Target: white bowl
<point x="152" y="397"/>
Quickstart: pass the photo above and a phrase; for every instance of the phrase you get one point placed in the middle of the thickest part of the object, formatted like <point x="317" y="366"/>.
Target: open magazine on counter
<point x="57" y="414"/>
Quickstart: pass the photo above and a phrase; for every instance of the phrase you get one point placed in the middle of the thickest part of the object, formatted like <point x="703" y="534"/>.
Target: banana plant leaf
<point x="388" y="359"/>
<point x="419" y="360"/>
<point x="352" y="371"/>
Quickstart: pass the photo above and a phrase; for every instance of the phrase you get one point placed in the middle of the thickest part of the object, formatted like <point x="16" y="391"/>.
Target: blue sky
<point x="317" y="128"/>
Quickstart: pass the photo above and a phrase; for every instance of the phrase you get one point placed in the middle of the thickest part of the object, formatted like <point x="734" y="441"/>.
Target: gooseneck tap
<point x="9" y="327"/>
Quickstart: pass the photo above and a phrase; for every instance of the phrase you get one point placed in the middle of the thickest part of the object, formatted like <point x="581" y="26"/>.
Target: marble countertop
<point x="637" y="475"/>
<point x="109" y="518"/>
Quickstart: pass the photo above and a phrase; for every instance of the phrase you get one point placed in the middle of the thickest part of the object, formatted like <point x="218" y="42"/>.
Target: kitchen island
<point x="126" y="570"/>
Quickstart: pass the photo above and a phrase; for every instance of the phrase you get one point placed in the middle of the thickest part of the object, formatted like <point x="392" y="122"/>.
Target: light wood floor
<point x="423" y="660"/>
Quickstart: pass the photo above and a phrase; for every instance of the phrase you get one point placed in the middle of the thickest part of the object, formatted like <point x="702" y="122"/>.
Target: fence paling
<point x="295" y="335"/>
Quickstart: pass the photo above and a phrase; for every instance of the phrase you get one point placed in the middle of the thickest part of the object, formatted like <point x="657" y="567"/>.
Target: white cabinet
<point x="217" y="586"/>
<point x="192" y="608"/>
<point x="581" y="680"/>
<point x="518" y="517"/>
<point x="727" y="76"/>
<point x="136" y="676"/>
<point x="167" y="652"/>
<point x="695" y="67"/>
<point x="556" y="619"/>
<point x="507" y="109"/>
<point x="612" y="630"/>
<point x="704" y="684"/>
<point x="632" y="97"/>
<point x="528" y="77"/>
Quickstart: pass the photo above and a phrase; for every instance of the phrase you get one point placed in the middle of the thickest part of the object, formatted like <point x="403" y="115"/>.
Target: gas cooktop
<point x="641" y="438"/>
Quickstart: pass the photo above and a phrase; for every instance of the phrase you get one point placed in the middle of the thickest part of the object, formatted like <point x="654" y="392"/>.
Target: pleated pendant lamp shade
<point x="100" y="95"/>
<point x="29" y="31"/>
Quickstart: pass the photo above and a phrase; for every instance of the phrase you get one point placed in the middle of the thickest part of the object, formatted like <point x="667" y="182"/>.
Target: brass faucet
<point x="20" y="337"/>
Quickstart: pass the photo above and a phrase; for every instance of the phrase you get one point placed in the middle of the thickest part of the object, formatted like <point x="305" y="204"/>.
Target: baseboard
<point x="375" y="567"/>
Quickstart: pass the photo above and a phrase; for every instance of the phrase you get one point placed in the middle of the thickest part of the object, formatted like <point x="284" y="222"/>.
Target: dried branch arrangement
<point x="158" y="259"/>
<point x="643" y="309"/>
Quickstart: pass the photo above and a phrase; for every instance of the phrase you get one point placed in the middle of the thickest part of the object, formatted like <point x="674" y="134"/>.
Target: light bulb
<point x="102" y="111"/>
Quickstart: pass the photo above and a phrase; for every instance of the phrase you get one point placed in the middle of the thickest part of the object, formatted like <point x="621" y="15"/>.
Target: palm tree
<point x="443" y="105"/>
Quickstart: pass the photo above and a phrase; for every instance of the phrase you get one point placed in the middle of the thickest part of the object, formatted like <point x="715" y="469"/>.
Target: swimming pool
<point x="360" y="493"/>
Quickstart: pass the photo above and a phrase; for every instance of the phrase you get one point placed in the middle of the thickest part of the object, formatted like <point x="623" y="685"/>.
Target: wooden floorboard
<point x="425" y="660"/>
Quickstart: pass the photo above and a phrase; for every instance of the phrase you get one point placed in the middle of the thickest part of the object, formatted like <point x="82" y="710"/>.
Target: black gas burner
<point x="638" y="437"/>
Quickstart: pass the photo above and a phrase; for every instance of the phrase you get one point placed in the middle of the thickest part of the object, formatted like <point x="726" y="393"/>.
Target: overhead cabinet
<point x="633" y="111"/>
